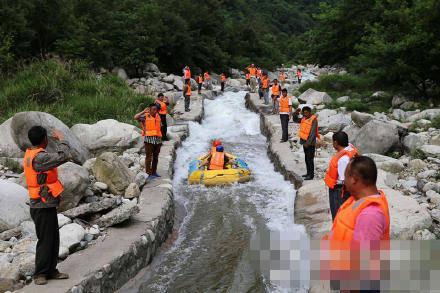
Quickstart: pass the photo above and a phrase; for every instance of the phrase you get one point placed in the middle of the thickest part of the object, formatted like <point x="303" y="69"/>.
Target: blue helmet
<point x="219" y="148"/>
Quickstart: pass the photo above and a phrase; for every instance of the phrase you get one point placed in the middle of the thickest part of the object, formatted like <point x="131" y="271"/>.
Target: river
<point x="219" y="228"/>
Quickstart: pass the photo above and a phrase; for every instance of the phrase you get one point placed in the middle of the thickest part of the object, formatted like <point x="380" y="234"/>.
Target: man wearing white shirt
<point x="334" y="178"/>
<point x="285" y="106"/>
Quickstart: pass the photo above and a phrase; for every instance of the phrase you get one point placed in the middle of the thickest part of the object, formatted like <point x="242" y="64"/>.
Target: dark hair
<point x="341" y="138"/>
<point x="306" y="108"/>
<point x="160" y="95"/>
<point x="37" y="134"/>
<point x="275" y="80"/>
<point x="365" y="168"/>
<point x="284" y="90"/>
<point x="153" y="105"/>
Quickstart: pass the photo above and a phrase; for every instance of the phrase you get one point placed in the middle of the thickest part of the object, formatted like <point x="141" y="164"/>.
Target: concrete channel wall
<point x="108" y="265"/>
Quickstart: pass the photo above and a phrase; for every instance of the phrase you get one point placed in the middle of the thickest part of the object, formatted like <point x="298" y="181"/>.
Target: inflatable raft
<point x="237" y="171"/>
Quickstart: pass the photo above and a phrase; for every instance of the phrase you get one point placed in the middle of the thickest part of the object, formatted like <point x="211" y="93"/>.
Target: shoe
<point x="283" y="140"/>
<point x="187" y="110"/>
<point x="305" y="175"/>
<point x="308" y="178"/>
<point x="156" y="175"/>
<point x="59" y="276"/>
<point x="40" y="280"/>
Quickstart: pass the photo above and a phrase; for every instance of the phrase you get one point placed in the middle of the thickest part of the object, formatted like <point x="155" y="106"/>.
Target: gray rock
<point x="132" y="191"/>
<point x="4" y="245"/>
<point x="23" y="121"/>
<point x="407" y="184"/>
<point x="8" y="147"/>
<point x="8" y="234"/>
<point x="325" y="114"/>
<point x="360" y="119"/>
<point x="75" y="179"/>
<point x="424" y="234"/>
<point x="334" y="123"/>
<point x="91" y="208"/>
<point x="414" y="141"/>
<point x="314" y="97"/>
<point x="25" y="245"/>
<point x="343" y="99"/>
<point x="431" y="150"/>
<point x="352" y="132"/>
<point x="417" y="164"/>
<point x="141" y="179"/>
<point x="120" y="72"/>
<point x="433" y="196"/>
<point x="13" y="208"/>
<point x="178" y="83"/>
<point x="387" y="163"/>
<point x="9" y="276"/>
<point x="118" y="215"/>
<point x="408" y="105"/>
<point x="63" y="252"/>
<point x="89" y="164"/>
<point x="426" y="114"/>
<point x="28" y="229"/>
<point x="431" y="186"/>
<point x="88" y="237"/>
<point x="427" y="174"/>
<point x="63" y="220"/>
<point x="112" y="171"/>
<point x="151" y="67"/>
<point x="100" y="185"/>
<point x="71" y="235"/>
<point x="25" y="263"/>
<point x="397" y="101"/>
<point x="377" y="137"/>
<point x="379" y="94"/>
<point x="168" y="78"/>
<point x="399" y="114"/>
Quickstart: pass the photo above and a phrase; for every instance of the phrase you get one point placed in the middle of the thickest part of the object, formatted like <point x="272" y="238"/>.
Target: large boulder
<point x="71" y="235"/>
<point x="387" y="163"/>
<point x="431" y="150"/>
<point x="360" y="119"/>
<point x="75" y="179"/>
<point x="13" y="208"/>
<point x="109" y="135"/>
<point x="377" y="137"/>
<point x="313" y="97"/>
<point x="235" y="73"/>
<point x="23" y="121"/>
<point x="8" y="147"/>
<point x="415" y="140"/>
<point x="110" y="169"/>
<point x="151" y="67"/>
<point x="334" y="123"/>
<point x="178" y="83"/>
<point x="428" y="114"/>
<point x="120" y="72"/>
<point x="352" y="132"/>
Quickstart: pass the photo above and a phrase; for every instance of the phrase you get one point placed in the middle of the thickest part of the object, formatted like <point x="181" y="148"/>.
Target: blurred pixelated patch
<point x="289" y="259"/>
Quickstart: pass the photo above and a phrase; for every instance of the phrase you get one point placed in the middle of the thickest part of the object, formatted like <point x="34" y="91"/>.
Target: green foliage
<point x="71" y="92"/>
<point x="436" y="122"/>
<point x="418" y="154"/>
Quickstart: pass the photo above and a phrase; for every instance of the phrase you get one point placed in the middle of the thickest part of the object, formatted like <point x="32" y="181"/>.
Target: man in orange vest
<point x="361" y="222"/>
<point x="187" y="94"/>
<point x="152" y="134"/>
<point x="222" y="81"/>
<point x="252" y="70"/>
<point x="334" y="178"/>
<point x="45" y="191"/>
<point x="186" y="73"/>
<point x="308" y="133"/>
<point x="199" y="83"/>
<point x="276" y="92"/>
<point x="265" y="88"/>
<point x="162" y="104"/>
<point x="285" y="103"/>
<point x="208" y="84"/>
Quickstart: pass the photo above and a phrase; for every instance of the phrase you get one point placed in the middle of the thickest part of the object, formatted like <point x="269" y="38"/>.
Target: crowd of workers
<point x="359" y="210"/>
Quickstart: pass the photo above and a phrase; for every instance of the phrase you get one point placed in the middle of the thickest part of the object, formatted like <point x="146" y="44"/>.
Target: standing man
<point x="222" y="81"/>
<point x="187" y="73"/>
<point x="299" y="75"/>
<point x="265" y="88"/>
<point x="163" y="102"/>
<point x="308" y="133"/>
<point x="276" y="92"/>
<point x="199" y="83"/>
<point x="187" y="94"/>
<point x="207" y="80"/>
<point x="252" y="70"/>
<point x="45" y="191"/>
<point x="151" y="131"/>
<point x="335" y="176"/>
<point x="285" y="103"/>
<point x="248" y="79"/>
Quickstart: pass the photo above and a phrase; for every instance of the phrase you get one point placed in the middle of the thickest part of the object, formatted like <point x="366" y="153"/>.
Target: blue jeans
<point x="266" y="97"/>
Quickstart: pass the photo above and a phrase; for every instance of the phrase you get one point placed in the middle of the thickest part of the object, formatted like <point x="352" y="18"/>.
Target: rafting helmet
<point x="216" y="143"/>
<point x="219" y="148"/>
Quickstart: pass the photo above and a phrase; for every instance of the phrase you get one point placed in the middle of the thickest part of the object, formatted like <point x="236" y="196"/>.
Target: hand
<point x="297" y="111"/>
<point x="147" y="110"/>
<point x="57" y="135"/>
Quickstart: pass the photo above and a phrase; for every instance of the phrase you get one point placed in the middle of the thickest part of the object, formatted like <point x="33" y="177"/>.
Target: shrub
<point x="436" y="122"/>
<point x="418" y="154"/>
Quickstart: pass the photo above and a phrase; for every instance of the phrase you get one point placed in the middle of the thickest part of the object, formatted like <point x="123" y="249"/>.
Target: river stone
<point x="63" y="252"/>
<point x="112" y="171"/>
<point x="435" y="140"/>
<point x="343" y="99"/>
<point x="8" y="147"/>
<point x="25" y="245"/>
<point x="417" y="164"/>
<point x="118" y="215"/>
<point x="23" y="121"/>
<point x="25" y="263"/>
<point x="4" y="245"/>
<point x="71" y="235"/>
<point x="377" y="137"/>
<point x="326" y="113"/>
<point x="352" y="132"/>
<point x="360" y="119"/>
<point x="387" y="163"/>
<point x="314" y="97"/>
<point x="334" y="123"/>
<point x="28" y="229"/>
<point x="431" y="150"/>
<point x="426" y="114"/>
<point x="433" y="196"/>
<point x="63" y="220"/>
<point x="141" y="179"/>
<point x="399" y="115"/>
<point x="100" y="186"/>
<point x="75" y="179"/>
<point x="397" y="101"/>
<point x="132" y="191"/>
<point x="414" y="141"/>
<point x="107" y="135"/>
<point x="91" y="208"/>
<point x="424" y="234"/>
<point x="13" y="208"/>
<point x="9" y="276"/>
<point x="151" y="67"/>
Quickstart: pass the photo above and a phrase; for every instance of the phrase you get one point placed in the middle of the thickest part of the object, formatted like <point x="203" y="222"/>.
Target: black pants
<point x="309" y="153"/>
<point x="48" y="245"/>
<point x="164" y="126"/>
<point x="151" y="157"/>
<point x="200" y="87"/>
<point x="187" y="102"/>
<point x="336" y="199"/>
<point x="223" y="86"/>
<point x="285" y="126"/>
<point x="248" y="82"/>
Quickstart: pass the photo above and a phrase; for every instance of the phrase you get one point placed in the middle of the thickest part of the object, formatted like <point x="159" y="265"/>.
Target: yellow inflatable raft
<point x="236" y="171"/>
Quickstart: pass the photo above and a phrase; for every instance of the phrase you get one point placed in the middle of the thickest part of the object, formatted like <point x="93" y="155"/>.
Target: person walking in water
<point x="45" y="192"/>
<point x="187" y="95"/>
<point x="276" y="92"/>
<point x="335" y="175"/>
<point x="152" y="134"/>
<point x="308" y="133"/>
<point x="222" y="81"/>
<point x="199" y="83"/>
<point x="299" y="75"/>
<point x="285" y="102"/>
<point x="265" y="88"/>
<point x="163" y="103"/>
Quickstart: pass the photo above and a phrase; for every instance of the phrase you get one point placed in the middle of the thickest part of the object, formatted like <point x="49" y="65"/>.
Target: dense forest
<point x="391" y="43"/>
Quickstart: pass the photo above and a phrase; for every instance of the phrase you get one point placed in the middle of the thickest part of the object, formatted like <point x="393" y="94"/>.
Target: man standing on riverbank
<point x="199" y="83"/>
<point x="163" y="103"/>
<point x="276" y="92"/>
<point x="265" y="88"/>
<point x="45" y="191"/>
<point x="207" y="78"/>
<point x="335" y="176"/>
<point x="151" y="131"/>
<point x="308" y="133"/>
<point x="187" y="95"/>
<point x="222" y="81"/>
<point x="285" y="103"/>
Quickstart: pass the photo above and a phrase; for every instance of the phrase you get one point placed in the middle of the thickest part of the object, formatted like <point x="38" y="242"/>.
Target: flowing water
<point x="216" y="226"/>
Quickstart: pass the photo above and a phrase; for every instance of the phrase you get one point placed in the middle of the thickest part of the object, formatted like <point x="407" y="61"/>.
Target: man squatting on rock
<point x="45" y="192"/>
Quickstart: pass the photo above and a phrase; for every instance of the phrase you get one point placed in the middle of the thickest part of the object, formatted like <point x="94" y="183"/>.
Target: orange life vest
<point x="306" y="126"/>
<point x="331" y="177"/>
<point x="188" y="90"/>
<point x="213" y="149"/>
<point x="284" y="104"/>
<point x="276" y="90"/>
<point x="151" y="126"/>
<point x="199" y="79"/>
<point x="52" y="182"/>
<point x="217" y="161"/>
<point x="223" y="78"/>
<point x="252" y="71"/>
<point x="248" y="76"/>
<point x="207" y="76"/>
<point x="187" y="74"/>
<point x="163" y="107"/>
<point x="265" y="82"/>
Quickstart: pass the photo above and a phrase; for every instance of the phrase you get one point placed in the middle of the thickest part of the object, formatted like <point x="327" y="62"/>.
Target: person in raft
<point x="218" y="159"/>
